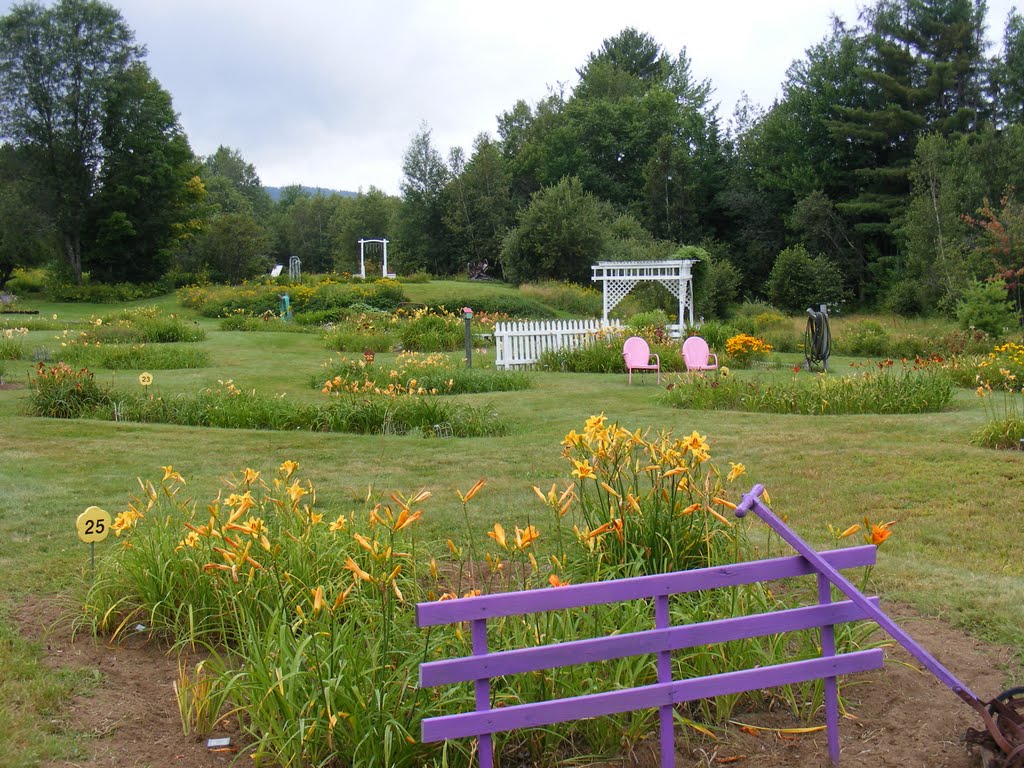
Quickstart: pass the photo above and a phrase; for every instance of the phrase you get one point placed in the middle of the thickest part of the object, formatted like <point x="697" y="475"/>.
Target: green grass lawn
<point x="956" y="551"/>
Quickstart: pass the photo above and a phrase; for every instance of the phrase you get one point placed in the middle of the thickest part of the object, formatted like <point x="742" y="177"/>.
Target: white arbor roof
<point x="618" y="278"/>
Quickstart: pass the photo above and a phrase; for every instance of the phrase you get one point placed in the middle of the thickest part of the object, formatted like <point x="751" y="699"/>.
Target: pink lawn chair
<point x="697" y="356"/>
<point x="638" y="357"/>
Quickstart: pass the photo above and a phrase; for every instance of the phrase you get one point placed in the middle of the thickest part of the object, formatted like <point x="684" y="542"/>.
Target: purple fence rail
<point x="662" y="640"/>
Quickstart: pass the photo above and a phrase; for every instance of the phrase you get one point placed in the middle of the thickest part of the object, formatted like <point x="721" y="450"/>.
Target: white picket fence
<point x="520" y="344"/>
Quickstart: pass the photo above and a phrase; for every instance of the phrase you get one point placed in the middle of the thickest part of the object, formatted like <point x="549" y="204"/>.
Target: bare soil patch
<point x="901" y="715"/>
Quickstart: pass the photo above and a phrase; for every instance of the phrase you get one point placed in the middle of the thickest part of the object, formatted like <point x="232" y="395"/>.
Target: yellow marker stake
<point x="93" y="525"/>
<point x="145" y="379"/>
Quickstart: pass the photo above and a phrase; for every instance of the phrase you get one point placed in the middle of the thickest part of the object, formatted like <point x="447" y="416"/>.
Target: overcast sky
<point x="330" y="92"/>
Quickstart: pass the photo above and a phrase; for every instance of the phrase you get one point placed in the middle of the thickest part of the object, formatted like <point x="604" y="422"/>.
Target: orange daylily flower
<point x="526" y="537"/>
<point x="498" y="534"/>
<point x="471" y="492"/>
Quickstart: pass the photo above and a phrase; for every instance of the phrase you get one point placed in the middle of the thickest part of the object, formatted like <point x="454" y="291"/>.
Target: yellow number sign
<point x="93" y="525"/>
<point x="145" y="379"/>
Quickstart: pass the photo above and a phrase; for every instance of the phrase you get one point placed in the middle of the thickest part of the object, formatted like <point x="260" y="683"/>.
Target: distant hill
<point x="275" y="192"/>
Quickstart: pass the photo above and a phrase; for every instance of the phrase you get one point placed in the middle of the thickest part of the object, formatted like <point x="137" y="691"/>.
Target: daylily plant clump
<point x="743" y="349"/>
<point x="307" y="621"/>
<point x="414" y="373"/>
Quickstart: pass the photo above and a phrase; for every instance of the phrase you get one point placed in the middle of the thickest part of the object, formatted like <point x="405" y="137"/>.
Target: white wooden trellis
<point x="618" y="278"/>
<point x="520" y="344"/>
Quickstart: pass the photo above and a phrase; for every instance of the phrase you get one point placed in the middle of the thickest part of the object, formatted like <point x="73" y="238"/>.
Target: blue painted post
<point x="482" y="691"/>
<point x="668" y="740"/>
<point x="828" y="648"/>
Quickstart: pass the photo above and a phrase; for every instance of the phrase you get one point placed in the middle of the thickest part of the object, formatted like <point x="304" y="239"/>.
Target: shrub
<point x="866" y="338"/>
<point x="799" y="280"/>
<point x="495" y="303"/>
<point x="432" y="332"/>
<point x="743" y="350"/>
<point x="100" y="293"/>
<point x="24" y="281"/>
<point x="571" y="298"/>
<point x="985" y="306"/>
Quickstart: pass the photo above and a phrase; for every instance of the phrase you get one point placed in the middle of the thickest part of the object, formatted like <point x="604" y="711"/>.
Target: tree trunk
<point x="73" y="252"/>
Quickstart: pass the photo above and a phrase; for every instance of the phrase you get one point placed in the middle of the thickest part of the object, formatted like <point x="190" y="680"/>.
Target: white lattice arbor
<point x="618" y="278"/>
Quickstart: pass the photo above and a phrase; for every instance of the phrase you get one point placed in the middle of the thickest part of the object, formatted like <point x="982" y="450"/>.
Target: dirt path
<point x="903" y="717"/>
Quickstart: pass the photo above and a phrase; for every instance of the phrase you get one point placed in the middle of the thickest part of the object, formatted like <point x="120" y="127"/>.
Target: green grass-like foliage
<point x="571" y="298"/>
<point x="307" y="618"/>
<point x="268" y="322"/>
<point x="428" y="374"/>
<point x="143" y="325"/>
<point x="12" y="343"/>
<point x="222" y="301"/>
<point x="603" y="353"/>
<point x="884" y="391"/>
<point x="62" y="392"/>
<point x="122" y="357"/>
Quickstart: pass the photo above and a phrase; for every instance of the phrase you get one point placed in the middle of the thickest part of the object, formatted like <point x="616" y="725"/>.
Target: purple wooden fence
<point x="662" y="640"/>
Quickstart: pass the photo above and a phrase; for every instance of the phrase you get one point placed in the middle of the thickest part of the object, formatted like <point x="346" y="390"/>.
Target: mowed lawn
<point x="957" y="550"/>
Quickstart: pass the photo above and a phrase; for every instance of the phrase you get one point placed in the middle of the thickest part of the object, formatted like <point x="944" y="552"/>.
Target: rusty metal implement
<point x="1002" y="740"/>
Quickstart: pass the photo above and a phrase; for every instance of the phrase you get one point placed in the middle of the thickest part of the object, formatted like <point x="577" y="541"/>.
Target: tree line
<point x="885" y="174"/>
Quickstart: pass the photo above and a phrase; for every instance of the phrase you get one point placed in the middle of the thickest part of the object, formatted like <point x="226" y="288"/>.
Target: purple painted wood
<point x="638" y="588"/>
<point x="627" y="700"/>
<point x="663" y="621"/>
<point x="828" y="648"/>
<point x="482" y="693"/>
<point x="752" y="501"/>
<point x="635" y="643"/>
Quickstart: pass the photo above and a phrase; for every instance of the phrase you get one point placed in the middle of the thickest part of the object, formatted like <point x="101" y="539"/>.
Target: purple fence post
<point x="482" y="690"/>
<point x="828" y="648"/>
<point x="668" y="739"/>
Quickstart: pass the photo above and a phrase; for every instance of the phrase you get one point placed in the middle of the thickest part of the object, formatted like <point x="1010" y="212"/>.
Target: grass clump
<point x="144" y="325"/>
<point x="881" y="392"/>
<point x="602" y="353"/>
<point x="131" y="357"/>
<point x="64" y="393"/>
<point x="435" y="374"/>
<point x="571" y="298"/>
<point x="12" y="343"/>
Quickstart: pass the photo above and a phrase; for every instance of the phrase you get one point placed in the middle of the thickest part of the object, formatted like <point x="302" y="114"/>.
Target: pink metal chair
<point x="638" y="357"/>
<point x="697" y="356"/>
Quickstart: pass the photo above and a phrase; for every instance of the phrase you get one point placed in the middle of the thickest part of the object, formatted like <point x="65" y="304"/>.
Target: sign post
<point x="93" y="525"/>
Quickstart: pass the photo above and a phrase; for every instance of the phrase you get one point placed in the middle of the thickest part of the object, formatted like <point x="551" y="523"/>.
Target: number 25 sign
<point x="93" y="525"/>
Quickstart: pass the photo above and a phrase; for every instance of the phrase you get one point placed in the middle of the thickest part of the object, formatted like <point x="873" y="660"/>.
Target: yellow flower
<point x="170" y="474"/>
<point x="582" y="469"/>
<point x="338" y="525"/>
<point x="296" y="492"/>
<point x="736" y="471"/>
<point x="289" y="467"/>
<point x="526" y="537"/>
<point x="498" y="534"/>
<point x="250" y="476"/>
<point x="318" y="600"/>
<point x="358" y="572"/>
